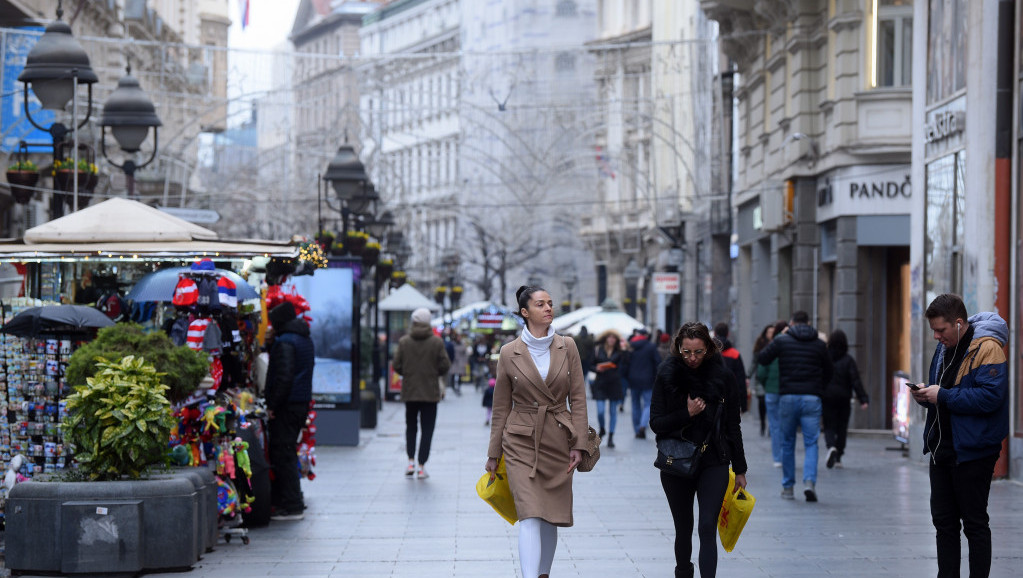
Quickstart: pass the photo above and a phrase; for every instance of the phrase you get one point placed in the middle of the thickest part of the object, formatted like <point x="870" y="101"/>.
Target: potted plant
<point x="337" y="249"/>
<point x="356" y="241"/>
<point x="23" y="176"/>
<point x="385" y="268"/>
<point x="325" y="239"/>
<point x="64" y="175"/>
<point x="119" y="422"/>
<point x="370" y="253"/>
<point x="398" y="278"/>
<point x="456" y="296"/>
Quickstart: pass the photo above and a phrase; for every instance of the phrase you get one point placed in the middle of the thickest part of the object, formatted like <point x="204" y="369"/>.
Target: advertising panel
<point x="14" y="127"/>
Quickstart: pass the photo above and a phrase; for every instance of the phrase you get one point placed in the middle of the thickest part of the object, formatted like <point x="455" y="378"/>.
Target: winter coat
<point x="460" y="361"/>
<point x="420" y="359"/>
<point x="669" y="410"/>
<point x="531" y="426"/>
<point x="767" y="375"/>
<point x="584" y="344"/>
<point x="978" y="404"/>
<point x="289" y="373"/>
<point x="844" y="380"/>
<point x="804" y="366"/>
<point x="608" y="384"/>
<point x="640" y="366"/>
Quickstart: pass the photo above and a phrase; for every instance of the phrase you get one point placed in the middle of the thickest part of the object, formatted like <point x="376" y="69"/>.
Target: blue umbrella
<point x="159" y="285"/>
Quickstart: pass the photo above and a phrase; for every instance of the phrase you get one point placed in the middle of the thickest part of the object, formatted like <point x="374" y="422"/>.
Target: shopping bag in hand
<point x="497" y="493"/>
<point x="735" y="511"/>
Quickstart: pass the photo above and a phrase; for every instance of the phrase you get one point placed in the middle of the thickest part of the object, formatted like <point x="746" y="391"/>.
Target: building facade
<point x="966" y="93"/>
<point x="822" y="183"/>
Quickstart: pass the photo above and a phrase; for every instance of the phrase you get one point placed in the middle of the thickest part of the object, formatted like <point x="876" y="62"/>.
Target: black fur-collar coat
<point x="669" y="412"/>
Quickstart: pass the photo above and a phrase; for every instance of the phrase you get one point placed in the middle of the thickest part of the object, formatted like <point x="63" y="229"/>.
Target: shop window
<point x="944" y="232"/>
<point x="893" y="37"/>
<point x="946" y="49"/>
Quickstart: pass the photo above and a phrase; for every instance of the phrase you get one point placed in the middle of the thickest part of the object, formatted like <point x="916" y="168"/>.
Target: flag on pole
<point x="603" y="166"/>
<point x="243" y="8"/>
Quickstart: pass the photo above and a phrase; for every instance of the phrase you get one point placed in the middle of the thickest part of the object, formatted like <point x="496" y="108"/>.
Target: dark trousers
<point x="959" y="492"/>
<point x="762" y="412"/>
<point x="709" y="489"/>
<point x="835" y="415"/>
<point x="424" y="412"/>
<point x="286" y="490"/>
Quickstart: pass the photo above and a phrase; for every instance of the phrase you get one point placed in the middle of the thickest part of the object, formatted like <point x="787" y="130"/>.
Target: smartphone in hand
<point x="914" y="386"/>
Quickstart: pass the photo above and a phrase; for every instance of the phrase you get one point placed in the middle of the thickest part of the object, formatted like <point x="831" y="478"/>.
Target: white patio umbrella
<point x="608" y="317"/>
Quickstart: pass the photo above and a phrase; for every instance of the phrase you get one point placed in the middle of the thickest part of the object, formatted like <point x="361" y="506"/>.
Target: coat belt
<point x="559" y="412"/>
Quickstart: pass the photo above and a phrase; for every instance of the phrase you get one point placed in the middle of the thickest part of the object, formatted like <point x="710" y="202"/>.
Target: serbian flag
<point x="243" y="9"/>
<point x="603" y="166"/>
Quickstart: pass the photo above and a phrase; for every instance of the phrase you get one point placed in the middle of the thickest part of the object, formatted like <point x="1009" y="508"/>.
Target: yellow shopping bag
<point x="735" y="511"/>
<point x="498" y="494"/>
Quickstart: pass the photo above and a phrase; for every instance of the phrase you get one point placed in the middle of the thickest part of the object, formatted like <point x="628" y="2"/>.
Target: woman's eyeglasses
<point x="687" y="353"/>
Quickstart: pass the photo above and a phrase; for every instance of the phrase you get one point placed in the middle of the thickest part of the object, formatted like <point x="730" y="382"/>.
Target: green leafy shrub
<point x="183" y="368"/>
<point x="120" y="421"/>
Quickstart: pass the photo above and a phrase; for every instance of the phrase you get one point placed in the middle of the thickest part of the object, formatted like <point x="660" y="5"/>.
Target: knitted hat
<point x="228" y="292"/>
<point x="282" y="314"/>
<point x="421" y="315"/>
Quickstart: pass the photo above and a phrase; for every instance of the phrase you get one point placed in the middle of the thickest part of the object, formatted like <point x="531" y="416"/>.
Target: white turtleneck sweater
<point x="539" y="349"/>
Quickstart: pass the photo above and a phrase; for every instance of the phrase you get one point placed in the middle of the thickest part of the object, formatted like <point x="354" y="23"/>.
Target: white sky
<point x="270" y="22"/>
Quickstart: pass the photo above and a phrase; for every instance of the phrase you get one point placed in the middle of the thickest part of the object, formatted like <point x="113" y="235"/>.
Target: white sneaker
<point x="777" y="464"/>
<point x="422" y="475"/>
<point x="832" y="457"/>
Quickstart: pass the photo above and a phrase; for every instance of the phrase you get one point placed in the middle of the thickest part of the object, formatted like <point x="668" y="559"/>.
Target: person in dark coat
<point x="289" y="391"/>
<point x="584" y="343"/>
<point x="844" y="381"/>
<point x="804" y="369"/>
<point x="733" y="361"/>
<point x="607" y="387"/>
<point x="691" y="386"/>
<point x="639" y="371"/>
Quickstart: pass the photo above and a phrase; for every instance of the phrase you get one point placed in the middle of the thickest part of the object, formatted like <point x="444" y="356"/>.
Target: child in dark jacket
<point x="835" y="402"/>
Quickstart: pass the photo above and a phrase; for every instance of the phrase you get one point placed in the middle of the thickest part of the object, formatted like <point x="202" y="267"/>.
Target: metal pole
<point x="74" y="127"/>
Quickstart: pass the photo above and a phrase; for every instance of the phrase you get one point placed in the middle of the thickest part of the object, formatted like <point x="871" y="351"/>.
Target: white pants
<point x="537" y="541"/>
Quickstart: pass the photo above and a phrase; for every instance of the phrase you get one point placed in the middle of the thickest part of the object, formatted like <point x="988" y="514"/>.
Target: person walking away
<point x="733" y="361"/>
<point x="835" y="404"/>
<point x="541" y="437"/>
<point x="584" y="344"/>
<point x="640" y="370"/>
<point x="663" y="342"/>
<point x="768" y="375"/>
<point x="691" y="387"/>
<point x="289" y="391"/>
<point x="459" y="362"/>
<point x="421" y="360"/>
<point x="804" y="368"/>
<point x="758" y="386"/>
<point x="607" y="387"/>
<point x="967" y="403"/>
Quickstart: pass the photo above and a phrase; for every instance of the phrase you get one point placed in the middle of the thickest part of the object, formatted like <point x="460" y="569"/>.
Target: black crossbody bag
<point x="681" y="457"/>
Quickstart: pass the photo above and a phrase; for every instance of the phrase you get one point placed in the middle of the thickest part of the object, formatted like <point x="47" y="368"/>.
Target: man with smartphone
<point x="967" y="405"/>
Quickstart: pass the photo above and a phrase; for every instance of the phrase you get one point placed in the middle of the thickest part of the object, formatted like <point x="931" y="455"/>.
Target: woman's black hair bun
<point x="518" y="294"/>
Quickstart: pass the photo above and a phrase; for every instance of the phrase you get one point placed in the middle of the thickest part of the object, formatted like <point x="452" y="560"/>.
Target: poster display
<point x="902" y="400"/>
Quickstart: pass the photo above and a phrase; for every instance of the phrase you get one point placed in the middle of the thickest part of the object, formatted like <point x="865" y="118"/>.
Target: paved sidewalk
<point x="365" y="519"/>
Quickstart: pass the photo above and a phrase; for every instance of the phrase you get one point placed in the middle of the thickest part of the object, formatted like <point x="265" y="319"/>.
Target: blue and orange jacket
<point x="978" y="405"/>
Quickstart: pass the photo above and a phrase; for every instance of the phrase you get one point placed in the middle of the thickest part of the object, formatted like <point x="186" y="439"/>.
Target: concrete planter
<point x="124" y="527"/>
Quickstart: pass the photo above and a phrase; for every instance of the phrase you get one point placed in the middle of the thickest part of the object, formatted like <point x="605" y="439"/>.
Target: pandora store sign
<point x="864" y="190"/>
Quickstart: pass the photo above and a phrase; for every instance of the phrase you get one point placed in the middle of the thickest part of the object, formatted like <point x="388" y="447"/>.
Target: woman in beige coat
<point x="541" y="436"/>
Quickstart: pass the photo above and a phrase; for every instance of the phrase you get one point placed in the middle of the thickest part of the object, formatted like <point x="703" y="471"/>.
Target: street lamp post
<point x="631" y="274"/>
<point x="130" y="114"/>
<point x="570" y="284"/>
<point x="54" y="69"/>
<point x="450" y="262"/>
<point x="378" y="227"/>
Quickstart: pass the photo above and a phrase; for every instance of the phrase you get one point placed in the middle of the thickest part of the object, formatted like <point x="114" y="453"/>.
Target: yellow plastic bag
<point x="735" y="511"/>
<point x="497" y="493"/>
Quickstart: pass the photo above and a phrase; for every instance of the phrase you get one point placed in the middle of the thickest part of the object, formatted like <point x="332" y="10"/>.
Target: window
<point x="946" y="49"/>
<point x="564" y="62"/>
<point x="565" y="8"/>
<point x="944" y="226"/>
<point x="893" y="38"/>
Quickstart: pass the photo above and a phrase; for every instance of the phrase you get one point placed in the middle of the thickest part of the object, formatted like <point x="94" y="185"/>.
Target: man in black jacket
<point x="640" y="369"/>
<point x="804" y="370"/>
<point x="289" y="389"/>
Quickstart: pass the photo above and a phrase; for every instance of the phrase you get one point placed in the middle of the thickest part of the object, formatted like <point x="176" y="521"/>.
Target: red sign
<point x="667" y="283"/>
<point x="489" y="320"/>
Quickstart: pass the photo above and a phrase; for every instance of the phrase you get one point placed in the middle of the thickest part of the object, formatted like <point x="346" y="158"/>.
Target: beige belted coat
<point x="531" y="426"/>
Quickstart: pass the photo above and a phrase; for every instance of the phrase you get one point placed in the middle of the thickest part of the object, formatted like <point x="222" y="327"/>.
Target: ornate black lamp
<point x="130" y="114"/>
<point x="347" y="175"/>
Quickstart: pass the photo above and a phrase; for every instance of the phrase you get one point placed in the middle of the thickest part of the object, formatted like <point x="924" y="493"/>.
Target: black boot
<point x="611" y="440"/>
<point x="602" y="432"/>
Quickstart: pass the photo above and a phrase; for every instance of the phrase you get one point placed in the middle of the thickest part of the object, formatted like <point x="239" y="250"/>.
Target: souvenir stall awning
<point x="407" y="298"/>
<point x="483" y="315"/>
<point x="121" y="228"/>
<point x="607" y="316"/>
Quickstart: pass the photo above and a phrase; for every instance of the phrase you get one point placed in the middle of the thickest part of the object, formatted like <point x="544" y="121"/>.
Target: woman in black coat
<point x="835" y="408"/>
<point x="690" y="387"/>
<point x="607" y="386"/>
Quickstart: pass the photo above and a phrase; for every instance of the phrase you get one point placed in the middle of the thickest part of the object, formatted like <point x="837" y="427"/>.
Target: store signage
<point x="667" y="283"/>
<point x="489" y="320"/>
<point x="866" y="189"/>
<point x="944" y="124"/>
<point x="203" y="216"/>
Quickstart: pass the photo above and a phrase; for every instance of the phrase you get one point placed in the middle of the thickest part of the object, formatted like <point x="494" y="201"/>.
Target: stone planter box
<point x="124" y="527"/>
